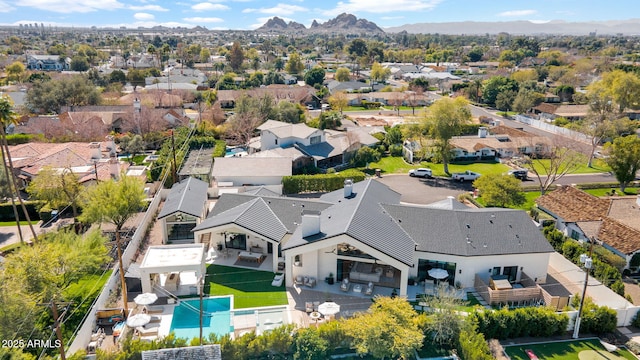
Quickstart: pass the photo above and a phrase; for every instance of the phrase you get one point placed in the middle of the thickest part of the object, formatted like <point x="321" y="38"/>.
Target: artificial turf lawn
<point x="567" y="350"/>
<point x="250" y="288"/>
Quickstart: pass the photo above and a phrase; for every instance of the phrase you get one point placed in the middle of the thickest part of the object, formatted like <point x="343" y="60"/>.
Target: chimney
<point x="111" y="145"/>
<point x="96" y="154"/>
<point x="310" y="222"/>
<point x="348" y="188"/>
<point x="114" y="167"/>
<point x="482" y="132"/>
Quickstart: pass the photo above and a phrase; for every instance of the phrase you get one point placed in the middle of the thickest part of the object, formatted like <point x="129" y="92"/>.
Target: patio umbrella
<point x="145" y="299"/>
<point x="328" y="308"/>
<point x="138" y="320"/>
<point x="438" y="273"/>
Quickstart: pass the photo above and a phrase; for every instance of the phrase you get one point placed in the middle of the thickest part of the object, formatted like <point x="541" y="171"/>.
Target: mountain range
<point x="343" y="23"/>
<point x="347" y="23"/>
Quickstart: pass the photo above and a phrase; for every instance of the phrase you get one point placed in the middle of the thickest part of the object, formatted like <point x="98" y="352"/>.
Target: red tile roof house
<point x="612" y="222"/>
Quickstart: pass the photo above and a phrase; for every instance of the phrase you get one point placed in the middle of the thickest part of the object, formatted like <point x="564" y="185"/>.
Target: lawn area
<point x="89" y="284"/>
<point x="13" y="223"/>
<point x="607" y="191"/>
<point x="530" y="198"/>
<point x="397" y="165"/>
<point x="598" y="167"/>
<point x="567" y="350"/>
<point x="250" y="288"/>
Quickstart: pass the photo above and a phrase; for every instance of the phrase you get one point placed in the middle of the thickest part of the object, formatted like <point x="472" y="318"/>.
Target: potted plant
<point x="330" y="279"/>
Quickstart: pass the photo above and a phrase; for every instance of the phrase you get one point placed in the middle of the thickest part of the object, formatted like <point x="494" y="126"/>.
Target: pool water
<point x="216" y="318"/>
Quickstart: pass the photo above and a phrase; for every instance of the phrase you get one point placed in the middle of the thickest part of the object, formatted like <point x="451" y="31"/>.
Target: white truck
<point x="465" y="176"/>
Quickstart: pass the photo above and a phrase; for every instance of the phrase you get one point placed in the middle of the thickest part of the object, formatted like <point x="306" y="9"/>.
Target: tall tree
<point x="342" y="74"/>
<point x="444" y="120"/>
<point x="8" y="117"/>
<point x="388" y="330"/>
<point x="339" y="101"/>
<point x="57" y="189"/>
<point x="500" y="190"/>
<point x="294" y="65"/>
<point x="552" y="161"/>
<point x="379" y="73"/>
<point x="314" y="76"/>
<point x="114" y="202"/>
<point x="624" y="159"/>
<point x="598" y="124"/>
<point x="236" y="56"/>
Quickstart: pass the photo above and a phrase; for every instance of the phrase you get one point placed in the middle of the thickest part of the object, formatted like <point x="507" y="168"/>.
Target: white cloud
<point x="206" y="6"/>
<point x="148" y="8"/>
<point x="65" y="6"/>
<point x="5" y="7"/>
<point x="202" y="20"/>
<point x="143" y="16"/>
<point x="516" y="13"/>
<point x="280" y="9"/>
<point x="381" y="6"/>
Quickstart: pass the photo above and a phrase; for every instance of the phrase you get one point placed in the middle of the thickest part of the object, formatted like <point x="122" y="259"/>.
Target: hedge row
<point x="319" y="183"/>
<point x="220" y="149"/>
<point x="530" y="321"/>
<point x="6" y="212"/>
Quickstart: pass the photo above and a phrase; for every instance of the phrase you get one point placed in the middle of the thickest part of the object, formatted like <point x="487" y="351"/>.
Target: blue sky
<point x="250" y="14"/>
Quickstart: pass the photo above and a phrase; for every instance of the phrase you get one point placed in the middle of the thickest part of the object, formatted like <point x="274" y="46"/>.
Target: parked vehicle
<point x="465" y="176"/>
<point x="522" y="174"/>
<point x="421" y="172"/>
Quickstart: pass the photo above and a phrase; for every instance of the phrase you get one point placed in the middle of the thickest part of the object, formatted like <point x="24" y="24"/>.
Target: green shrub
<point x="6" y="211"/>
<point x="16" y="139"/>
<point x="319" y="183"/>
<point x="531" y="321"/>
<point x="220" y="149"/>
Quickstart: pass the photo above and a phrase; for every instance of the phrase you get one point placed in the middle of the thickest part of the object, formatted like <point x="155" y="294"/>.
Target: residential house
<point x="251" y="171"/>
<point x="363" y="233"/>
<point x="550" y="112"/>
<point x="609" y="221"/>
<point x="292" y="93"/>
<point x="325" y="148"/>
<point x="348" y="86"/>
<point x="48" y="62"/>
<point x="184" y="209"/>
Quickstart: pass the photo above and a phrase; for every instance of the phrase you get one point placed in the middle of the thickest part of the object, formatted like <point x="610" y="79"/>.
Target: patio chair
<point x="299" y="280"/>
<point x="345" y="285"/>
<point x="369" y="289"/>
<point x="308" y="306"/>
<point x="310" y="281"/>
<point x="316" y="304"/>
<point x="156" y="309"/>
<point x="277" y="280"/>
<point x="148" y="330"/>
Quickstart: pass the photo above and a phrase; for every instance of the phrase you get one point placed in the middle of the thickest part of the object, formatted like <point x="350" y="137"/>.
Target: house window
<point x="297" y="260"/>
<point x="236" y="241"/>
<point x="315" y="139"/>
<point x="276" y="141"/>
<point x="575" y="235"/>
<point x="510" y="272"/>
<point x="495" y="271"/>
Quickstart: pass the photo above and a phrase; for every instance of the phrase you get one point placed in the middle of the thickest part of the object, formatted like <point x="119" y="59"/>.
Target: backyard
<point x="586" y="349"/>
<point x="250" y="288"/>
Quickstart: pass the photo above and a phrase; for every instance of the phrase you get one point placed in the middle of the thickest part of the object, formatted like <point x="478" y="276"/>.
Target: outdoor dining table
<point x="250" y="256"/>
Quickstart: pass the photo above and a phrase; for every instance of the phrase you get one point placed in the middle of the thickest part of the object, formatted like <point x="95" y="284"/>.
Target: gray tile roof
<point x="262" y="191"/>
<point x="470" y="232"/>
<point x="363" y="218"/>
<point x="210" y="352"/>
<point x="271" y="216"/>
<point x="188" y="196"/>
<point x="285" y="130"/>
<point x="450" y="203"/>
<point x="251" y="166"/>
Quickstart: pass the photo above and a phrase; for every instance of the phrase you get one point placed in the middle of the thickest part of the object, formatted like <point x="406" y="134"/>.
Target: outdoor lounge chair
<point x="156" y="309"/>
<point x="345" y="285"/>
<point x="369" y="289"/>
<point x="299" y="280"/>
<point x="277" y="280"/>
<point x="310" y="281"/>
<point x="148" y="330"/>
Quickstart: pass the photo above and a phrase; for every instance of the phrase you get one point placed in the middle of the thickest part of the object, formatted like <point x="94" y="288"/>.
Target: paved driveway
<point x="424" y="191"/>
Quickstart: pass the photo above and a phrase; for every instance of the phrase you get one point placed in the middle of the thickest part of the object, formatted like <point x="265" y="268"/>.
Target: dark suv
<point x="521" y="174"/>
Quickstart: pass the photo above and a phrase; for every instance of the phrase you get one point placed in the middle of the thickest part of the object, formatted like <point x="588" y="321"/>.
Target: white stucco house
<point x="364" y="233"/>
<point x="185" y="207"/>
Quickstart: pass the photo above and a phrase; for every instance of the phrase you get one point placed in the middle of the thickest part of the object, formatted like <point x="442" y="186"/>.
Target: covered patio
<point x="173" y="269"/>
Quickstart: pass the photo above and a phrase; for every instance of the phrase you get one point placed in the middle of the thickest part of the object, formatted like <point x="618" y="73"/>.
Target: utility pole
<point x="57" y="319"/>
<point x="587" y="261"/>
<point x="175" y="168"/>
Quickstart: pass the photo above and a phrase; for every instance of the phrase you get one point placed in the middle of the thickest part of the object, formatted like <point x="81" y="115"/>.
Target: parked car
<point x="522" y="174"/>
<point x="465" y="176"/>
<point x="421" y="172"/>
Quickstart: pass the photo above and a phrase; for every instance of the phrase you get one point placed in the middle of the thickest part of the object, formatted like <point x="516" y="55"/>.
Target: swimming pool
<point x="216" y="319"/>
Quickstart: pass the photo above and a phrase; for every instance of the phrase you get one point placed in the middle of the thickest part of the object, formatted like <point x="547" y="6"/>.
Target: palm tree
<point x="7" y="117"/>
